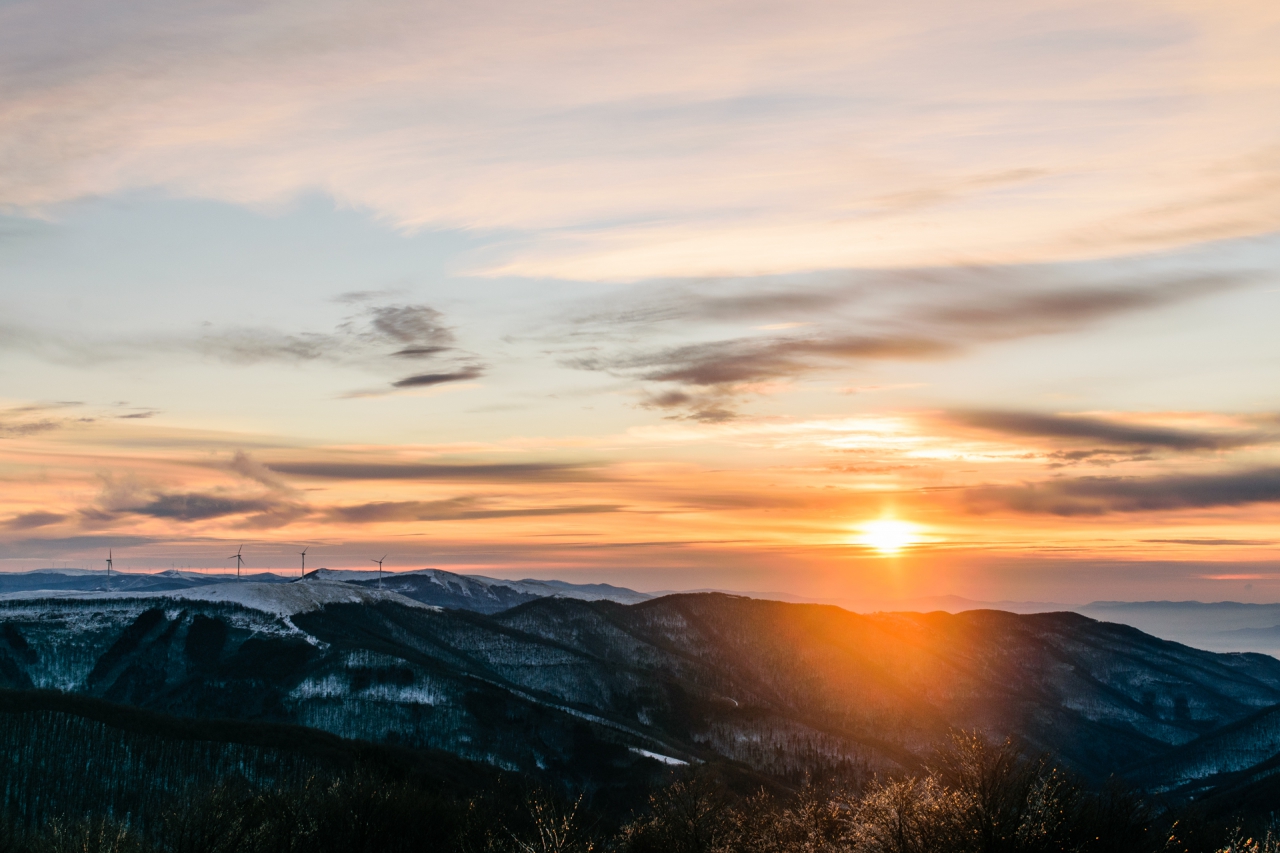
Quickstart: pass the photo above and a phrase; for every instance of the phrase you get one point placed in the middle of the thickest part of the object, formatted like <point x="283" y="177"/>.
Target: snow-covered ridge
<point x="432" y="587"/>
<point x="290" y="599"/>
<point x="276" y="599"/>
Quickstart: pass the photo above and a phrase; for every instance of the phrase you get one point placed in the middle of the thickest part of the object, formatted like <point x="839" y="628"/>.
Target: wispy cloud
<point x="1093" y="496"/>
<point x="378" y="338"/>
<point x="426" y="380"/>
<point x="1112" y="433"/>
<point x="942" y="314"/>
<point x="459" y="509"/>
<point x="804" y="136"/>
<point x="31" y="520"/>
<point x="532" y="472"/>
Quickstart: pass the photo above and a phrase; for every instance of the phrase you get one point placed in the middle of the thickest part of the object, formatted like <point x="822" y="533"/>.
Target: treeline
<point x="77" y="774"/>
<point x="975" y="798"/>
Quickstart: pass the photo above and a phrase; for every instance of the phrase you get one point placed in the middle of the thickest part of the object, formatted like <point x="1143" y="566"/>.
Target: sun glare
<point x="888" y="535"/>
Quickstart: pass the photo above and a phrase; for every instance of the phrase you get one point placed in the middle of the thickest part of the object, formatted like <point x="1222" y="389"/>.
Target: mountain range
<point x="589" y="689"/>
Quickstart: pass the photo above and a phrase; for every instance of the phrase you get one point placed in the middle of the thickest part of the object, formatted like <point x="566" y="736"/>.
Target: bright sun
<point x="888" y="535"/>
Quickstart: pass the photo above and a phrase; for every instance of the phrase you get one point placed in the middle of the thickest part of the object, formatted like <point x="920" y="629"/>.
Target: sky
<point x="860" y="302"/>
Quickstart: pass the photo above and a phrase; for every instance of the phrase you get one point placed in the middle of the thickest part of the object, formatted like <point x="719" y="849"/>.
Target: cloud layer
<point x="659" y="139"/>
<point x="1093" y="496"/>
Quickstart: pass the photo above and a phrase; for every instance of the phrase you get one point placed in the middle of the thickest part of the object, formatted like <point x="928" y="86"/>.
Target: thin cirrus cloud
<point x="453" y="509"/>
<point x="1095" y="496"/>
<point x="502" y="472"/>
<point x="780" y="136"/>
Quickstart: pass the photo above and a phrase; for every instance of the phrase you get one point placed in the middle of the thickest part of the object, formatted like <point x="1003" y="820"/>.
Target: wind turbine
<point x="108" y="568"/>
<point x="239" y="560"/>
<point x="304" y="561"/>
<point x="379" y="562"/>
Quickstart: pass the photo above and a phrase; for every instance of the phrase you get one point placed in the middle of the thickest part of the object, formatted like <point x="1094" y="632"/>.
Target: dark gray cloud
<point x="419" y="352"/>
<point x="1102" y="456"/>
<point x="413" y="326"/>
<point x="31" y="520"/>
<point x="538" y="472"/>
<point x="195" y="506"/>
<point x="1092" y="496"/>
<point x="454" y="509"/>
<point x="1102" y="430"/>
<point x="423" y="380"/>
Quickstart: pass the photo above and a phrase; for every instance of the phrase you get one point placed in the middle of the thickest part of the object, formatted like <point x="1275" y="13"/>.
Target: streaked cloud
<point x="501" y="472"/>
<point x="941" y="314"/>
<point x="426" y="380"/>
<point x="1093" y="496"/>
<point x="1113" y="433"/>
<point x="452" y="509"/>
<point x="30" y="520"/>
<point x="798" y="136"/>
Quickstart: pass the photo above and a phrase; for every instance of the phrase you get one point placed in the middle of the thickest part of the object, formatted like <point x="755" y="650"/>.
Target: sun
<point x="888" y="535"/>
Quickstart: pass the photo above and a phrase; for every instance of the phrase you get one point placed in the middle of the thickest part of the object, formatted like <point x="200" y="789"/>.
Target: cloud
<point x="195" y="506"/>
<point x="1110" y="432"/>
<point x="424" y="380"/>
<point x="417" y="327"/>
<point x="857" y="318"/>
<point x="1093" y="496"/>
<point x="1007" y="313"/>
<point x="250" y="468"/>
<point x="128" y="495"/>
<point x="807" y="135"/>
<point x="71" y="543"/>
<point x="30" y="520"/>
<point x="368" y="338"/>
<point x="734" y="362"/>
<point x="1211" y="542"/>
<point x="528" y="472"/>
<point x="463" y="508"/>
<point x="252" y="346"/>
<point x="19" y="430"/>
<point x="33" y="419"/>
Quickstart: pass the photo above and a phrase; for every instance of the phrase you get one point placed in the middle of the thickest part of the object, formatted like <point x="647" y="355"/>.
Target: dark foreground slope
<point x="66" y="755"/>
<point x="595" y="691"/>
<point x="80" y="775"/>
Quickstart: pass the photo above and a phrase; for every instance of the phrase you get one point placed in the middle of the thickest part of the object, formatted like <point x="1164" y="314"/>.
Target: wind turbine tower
<point x="379" y="562"/>
<point x="239" y="560"/>
<point x="304" y="561"/>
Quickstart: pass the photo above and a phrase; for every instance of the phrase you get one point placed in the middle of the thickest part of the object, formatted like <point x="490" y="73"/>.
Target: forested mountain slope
<point x="591" y="689"/>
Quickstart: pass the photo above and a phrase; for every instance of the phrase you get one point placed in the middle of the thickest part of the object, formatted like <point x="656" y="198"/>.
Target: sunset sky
<point x="853" y="301"/>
